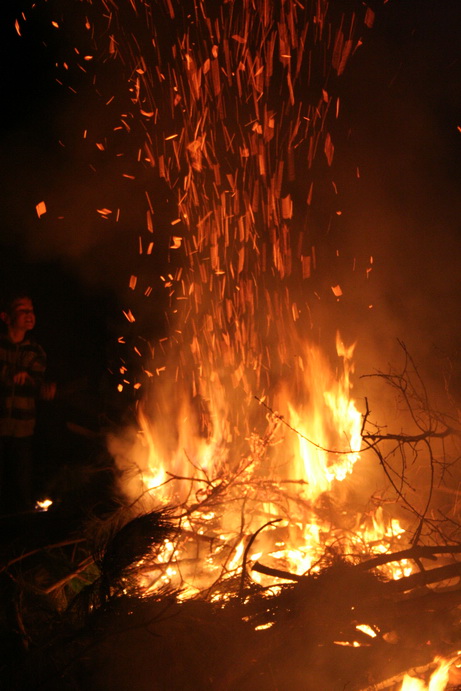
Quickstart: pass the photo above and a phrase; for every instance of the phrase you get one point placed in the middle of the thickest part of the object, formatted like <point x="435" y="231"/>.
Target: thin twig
<point x="26" y="555"/>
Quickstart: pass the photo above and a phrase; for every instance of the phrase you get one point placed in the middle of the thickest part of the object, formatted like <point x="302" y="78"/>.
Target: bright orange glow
<point x="437" y="682"/>
<point x="185" y="456"/>
<point x="329" y="426"/>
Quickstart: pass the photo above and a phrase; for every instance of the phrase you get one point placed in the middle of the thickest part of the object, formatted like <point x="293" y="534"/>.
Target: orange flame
<point x="185" y="455"/>
<point x="437" y="682"/>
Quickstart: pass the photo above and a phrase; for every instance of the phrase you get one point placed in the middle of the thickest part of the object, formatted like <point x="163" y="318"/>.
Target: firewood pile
<point x="343" y="627"/>
<point x="84" y="619"/>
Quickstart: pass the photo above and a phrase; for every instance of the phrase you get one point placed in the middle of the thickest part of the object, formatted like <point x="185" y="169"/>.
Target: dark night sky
<point x="401" y="107"/>
<point x="405" y="106"/>
<point x="402" y="103"/>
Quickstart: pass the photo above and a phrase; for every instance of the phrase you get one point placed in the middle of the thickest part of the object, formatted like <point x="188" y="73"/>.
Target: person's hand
<point x="48" y="391"/>
<point x="21" y="378"/>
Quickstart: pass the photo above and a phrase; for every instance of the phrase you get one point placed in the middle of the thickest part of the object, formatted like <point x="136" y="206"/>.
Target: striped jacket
<point x="17" y="402"/>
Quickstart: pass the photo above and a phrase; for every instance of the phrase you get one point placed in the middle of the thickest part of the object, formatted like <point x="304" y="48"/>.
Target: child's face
<point x="22" y="314"/>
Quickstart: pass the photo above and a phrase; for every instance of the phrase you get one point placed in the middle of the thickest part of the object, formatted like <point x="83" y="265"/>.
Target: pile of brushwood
<point x="75" y="614"/>
<point x="110" y="636"/>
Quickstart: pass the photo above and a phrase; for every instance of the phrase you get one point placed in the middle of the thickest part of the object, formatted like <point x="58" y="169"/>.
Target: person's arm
<point x="31" y="368"/>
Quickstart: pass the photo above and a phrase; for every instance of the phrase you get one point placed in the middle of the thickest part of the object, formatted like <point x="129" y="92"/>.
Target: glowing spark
<point x="129" y="316"/>
<point x="41" y="209"/>
<point x="337" y="291"/>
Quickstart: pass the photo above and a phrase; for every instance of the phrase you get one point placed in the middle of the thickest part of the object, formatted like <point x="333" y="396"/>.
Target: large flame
<point x="227" y="484"/>
<point x="329" y="427"/>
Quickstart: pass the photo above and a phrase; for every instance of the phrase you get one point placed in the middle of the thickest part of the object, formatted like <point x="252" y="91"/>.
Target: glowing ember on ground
<point x="43" y="504"/>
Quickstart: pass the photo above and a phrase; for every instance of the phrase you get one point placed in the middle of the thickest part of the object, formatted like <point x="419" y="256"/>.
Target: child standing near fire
<point x="22" y="370"/>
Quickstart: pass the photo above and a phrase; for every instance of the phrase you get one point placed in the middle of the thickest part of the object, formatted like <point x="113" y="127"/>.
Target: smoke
<point x="401" y="101"/>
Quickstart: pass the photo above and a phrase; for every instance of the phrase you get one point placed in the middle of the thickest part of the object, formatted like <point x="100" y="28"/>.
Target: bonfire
<point x="272" y="531"/>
